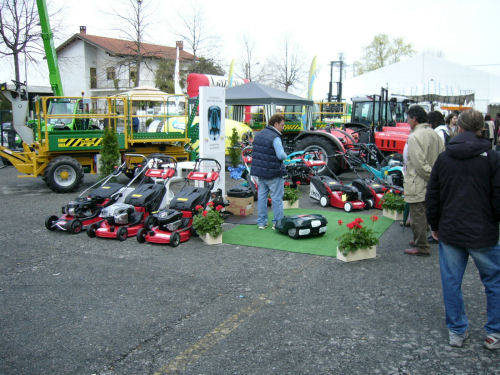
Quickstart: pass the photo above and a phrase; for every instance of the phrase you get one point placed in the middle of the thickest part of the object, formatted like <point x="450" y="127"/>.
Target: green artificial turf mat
<point x="251" y="235"/>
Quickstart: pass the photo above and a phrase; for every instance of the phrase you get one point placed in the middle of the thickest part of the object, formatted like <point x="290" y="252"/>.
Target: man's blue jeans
<point x="275" y="187"/>
<point x="452" y="262"/>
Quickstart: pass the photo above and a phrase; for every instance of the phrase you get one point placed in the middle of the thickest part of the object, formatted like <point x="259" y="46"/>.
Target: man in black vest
<point x="267" y="166"/>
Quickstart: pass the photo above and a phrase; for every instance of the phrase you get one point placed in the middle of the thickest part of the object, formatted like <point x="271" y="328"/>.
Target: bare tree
<point x="135" y="18"/>
<point x="20" y="31"/>
<point x="247" y="63"/>
<point x="288" y="67"/>
<point x="195" y="33"/>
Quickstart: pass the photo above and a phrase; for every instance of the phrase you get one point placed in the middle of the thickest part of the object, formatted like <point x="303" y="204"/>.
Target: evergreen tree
<point x="110" y="153"/>
<point x="234" y="150"/>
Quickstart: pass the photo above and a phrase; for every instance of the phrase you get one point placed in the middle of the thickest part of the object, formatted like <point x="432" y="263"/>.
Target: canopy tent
<point x="146" y="93"/>
<point x="254" y="93"/>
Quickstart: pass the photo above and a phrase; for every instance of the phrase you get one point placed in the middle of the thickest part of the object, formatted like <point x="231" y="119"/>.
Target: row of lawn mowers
<point x="149" y="211"/>
<point x="304" y="167"/>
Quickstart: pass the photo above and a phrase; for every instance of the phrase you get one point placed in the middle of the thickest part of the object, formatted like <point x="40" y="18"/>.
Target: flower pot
<point x="391" y="214"/>
<point x="359" y="254"/>
<point x="287" y="204"/>
<point x="210" y="240"/>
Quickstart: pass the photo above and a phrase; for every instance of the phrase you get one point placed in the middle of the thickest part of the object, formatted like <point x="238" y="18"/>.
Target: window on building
<point x="133" y="75"/>
<point x="93" y="78"/>
<point x="110" y="73"/>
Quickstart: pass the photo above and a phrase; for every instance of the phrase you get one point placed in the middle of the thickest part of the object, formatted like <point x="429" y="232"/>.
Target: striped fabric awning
<point x="238" y="113"/>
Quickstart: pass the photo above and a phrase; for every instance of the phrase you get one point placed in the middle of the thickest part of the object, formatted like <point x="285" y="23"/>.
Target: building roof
<point x="122" y="47"/>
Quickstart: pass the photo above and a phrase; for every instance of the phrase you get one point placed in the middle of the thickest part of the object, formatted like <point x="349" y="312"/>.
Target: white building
<point x="426" y="74"/>
<point x="101" y="66"/>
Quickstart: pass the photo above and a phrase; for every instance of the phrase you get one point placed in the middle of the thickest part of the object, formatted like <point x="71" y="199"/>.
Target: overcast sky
<point x="465" y="32"/>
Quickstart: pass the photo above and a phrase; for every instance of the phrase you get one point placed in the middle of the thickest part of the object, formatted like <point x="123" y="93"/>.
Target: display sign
<point x="212" y="128"/>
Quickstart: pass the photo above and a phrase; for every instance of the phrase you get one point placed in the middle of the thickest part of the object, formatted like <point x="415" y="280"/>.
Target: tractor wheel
<point x="141" y="235"/>
<point x="49" y="222"/>
<point x="63" y="174"/>
<point x="75" y="227"/>
<point x="91" y="230"/>
<point x="122" y="234"/>
<point x="175" y="239"/>
<point x="325" y="149"/>
<point x="347" y="207"/>
<point x="323" y="201"/>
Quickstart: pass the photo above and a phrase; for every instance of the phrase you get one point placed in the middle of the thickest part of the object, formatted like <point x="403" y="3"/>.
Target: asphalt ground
<point x="74" y="305"/>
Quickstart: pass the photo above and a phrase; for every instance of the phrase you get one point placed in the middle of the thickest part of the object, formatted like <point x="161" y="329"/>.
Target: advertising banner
<point x="212" y="128"/>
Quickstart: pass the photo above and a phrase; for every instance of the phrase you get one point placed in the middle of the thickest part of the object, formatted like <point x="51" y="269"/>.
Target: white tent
<point x="426" y="74"/>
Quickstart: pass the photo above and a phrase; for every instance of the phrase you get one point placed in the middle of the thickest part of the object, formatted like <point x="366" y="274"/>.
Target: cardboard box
<point x="240" y="206"/>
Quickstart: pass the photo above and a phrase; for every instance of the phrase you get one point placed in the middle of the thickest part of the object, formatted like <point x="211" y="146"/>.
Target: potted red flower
<point x="359" y="242"/>
<point x="208" y="223"/>
<point x="291" y="195"/>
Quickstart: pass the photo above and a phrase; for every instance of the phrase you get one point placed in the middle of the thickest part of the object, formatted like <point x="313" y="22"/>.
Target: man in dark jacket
<point x="267" y="165"/>
<point x="463" y="210"/>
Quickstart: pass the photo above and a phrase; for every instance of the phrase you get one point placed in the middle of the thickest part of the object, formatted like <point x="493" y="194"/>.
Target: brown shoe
<point x="415" y="251"/>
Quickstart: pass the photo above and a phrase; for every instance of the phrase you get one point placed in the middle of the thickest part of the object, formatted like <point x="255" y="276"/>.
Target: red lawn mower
<point x="174" y="225"/>
<point x="332" y="192"/>
<point x="83" y="211"/>
<point x="372" y="191"/>
<point x="123" y="220"/>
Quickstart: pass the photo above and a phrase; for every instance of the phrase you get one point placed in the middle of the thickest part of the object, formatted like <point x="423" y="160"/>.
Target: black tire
<point x="347" y="207"/>
<point x="325" y="148"/>
<point x="150" y="222"/>
<point x="91" y="230"/>
<point x="6" y="162"/>
<point x="293" y="233"/>
<point x="63" y="174"/>
<point x="369" y="204"/>
<point x="122" y="234"/>
<point x="175" y="239"/>
<point x="141" y="235"/>
<point x="75" y="226"/>
<point x="49" y="222"/>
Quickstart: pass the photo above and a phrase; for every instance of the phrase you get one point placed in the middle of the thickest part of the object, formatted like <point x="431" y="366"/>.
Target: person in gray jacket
<point x="424" y="146"/>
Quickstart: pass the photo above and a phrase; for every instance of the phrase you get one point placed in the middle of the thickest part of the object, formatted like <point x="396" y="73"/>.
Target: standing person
<point x="135" y="124"/>
<point x="424" y="146"/>
<point x="490" y="129"/>
<point x="451" y="123"/>
<point x="435" y="119"/>
<point x="497" y="127"/>
<point x="267" y="165"/>
<point x="463" y="209"/>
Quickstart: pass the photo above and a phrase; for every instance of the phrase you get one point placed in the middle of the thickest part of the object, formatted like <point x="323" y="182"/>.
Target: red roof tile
<point x="126" y="47"/>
